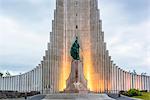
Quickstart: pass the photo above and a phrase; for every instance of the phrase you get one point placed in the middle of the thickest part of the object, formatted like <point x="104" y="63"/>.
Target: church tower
<point x="94" y="71"/>
<point x="76" y="18"/>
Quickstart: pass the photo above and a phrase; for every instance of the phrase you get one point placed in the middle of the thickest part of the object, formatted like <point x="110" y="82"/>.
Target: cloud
<point x="19" y="46"/>
<point x="24" y="33"/>
<point x="127" y="40"/>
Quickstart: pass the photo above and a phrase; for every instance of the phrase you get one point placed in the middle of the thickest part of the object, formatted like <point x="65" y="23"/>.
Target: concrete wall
<point x="115" y="80"/>
<point x="30" y="81"/>
<point x="122" y="80"/>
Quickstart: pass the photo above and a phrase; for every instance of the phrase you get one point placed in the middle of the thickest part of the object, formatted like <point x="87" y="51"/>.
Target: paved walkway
<point x="37" y="97"/>
<point x="74" y="96"/>
<point x="115" y="96"/>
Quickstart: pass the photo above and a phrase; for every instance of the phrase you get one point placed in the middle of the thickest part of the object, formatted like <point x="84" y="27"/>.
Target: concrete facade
<point x="76" y="18"/>
<point x="30" y="81"/>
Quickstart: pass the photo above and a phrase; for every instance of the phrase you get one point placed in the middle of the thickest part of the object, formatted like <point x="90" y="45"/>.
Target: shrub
<point x="133" y="92"/>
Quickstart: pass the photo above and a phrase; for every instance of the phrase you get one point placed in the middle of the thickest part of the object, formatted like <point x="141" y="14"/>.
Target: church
<point x="98" y="72"/>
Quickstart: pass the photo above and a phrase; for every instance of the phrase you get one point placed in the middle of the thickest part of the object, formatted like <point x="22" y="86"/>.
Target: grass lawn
<point x="145" y="96"/>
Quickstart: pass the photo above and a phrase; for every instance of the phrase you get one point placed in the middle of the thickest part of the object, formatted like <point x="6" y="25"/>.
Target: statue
<point x="75" y="50"/>
<point x="76" y="83"/>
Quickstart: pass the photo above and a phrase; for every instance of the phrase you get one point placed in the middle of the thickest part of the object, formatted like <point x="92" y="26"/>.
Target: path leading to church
<point x="73" y="96"/>
<point x="85" y="97"/>
<point x="115" y="96"/>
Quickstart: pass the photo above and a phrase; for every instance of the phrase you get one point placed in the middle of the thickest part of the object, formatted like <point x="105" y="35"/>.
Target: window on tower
<point x="60" y="3"/>
<point x="76" y="3"/>
<point x="76" y="26"/>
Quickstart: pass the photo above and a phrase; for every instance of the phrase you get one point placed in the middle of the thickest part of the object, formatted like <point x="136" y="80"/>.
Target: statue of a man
<point x="75" y="50"/>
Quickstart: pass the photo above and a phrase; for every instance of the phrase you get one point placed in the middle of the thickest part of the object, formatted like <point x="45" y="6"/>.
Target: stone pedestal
<point x="76" y="83"/>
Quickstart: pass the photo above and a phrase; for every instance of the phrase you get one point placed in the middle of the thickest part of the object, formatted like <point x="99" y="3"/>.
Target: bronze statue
<point x="75" y="50"/>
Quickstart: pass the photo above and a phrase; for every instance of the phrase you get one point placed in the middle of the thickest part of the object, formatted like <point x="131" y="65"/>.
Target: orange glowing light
<point x="87" y="62"/>
<point x="95" y="83"/>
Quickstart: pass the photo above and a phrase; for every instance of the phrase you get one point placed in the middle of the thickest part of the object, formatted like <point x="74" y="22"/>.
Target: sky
<point x="25" y="26"/>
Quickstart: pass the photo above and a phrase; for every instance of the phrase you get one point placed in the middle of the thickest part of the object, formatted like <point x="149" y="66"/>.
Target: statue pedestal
<point x="76" y="83"/>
